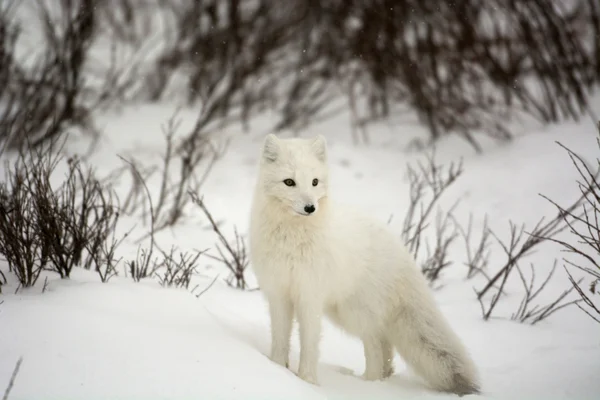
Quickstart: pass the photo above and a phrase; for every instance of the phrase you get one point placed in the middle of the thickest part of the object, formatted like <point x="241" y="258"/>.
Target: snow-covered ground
<point x="82" y="339"/>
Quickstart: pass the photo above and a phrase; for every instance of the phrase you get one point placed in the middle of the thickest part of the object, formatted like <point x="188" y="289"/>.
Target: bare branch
<point x="236" y="257"/>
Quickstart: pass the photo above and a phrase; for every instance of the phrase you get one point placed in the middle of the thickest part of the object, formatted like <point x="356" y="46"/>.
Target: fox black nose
<point x="309" y="208"/>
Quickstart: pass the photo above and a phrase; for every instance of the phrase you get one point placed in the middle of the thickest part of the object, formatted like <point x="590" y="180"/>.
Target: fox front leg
<point x="282" y="312"/>
<point x="309" y="319"/>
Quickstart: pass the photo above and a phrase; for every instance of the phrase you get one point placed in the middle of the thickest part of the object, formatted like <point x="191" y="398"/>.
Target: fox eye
<point x="289" y="182"/>
<point x="315" y="182"/>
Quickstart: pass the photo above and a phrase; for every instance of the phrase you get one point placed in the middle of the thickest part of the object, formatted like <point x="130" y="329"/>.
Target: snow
<point x="82" y="339"/>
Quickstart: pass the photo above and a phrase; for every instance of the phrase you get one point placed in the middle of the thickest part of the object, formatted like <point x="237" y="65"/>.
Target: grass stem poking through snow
<point x="193" y="291"/>
<point x="13" y="378"/>
<point x="172" y="272"/>
<point x="141" y="267"/>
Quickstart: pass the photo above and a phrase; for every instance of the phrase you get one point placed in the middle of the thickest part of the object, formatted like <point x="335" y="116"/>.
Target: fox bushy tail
<point x="432" y="349"/>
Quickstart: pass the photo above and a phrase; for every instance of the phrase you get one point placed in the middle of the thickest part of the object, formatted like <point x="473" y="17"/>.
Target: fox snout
<point x="305" y="207"/>
<point x="309" y="208"/>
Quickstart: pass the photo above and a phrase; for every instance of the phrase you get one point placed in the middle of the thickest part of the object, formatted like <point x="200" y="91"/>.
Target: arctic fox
<point x="313" y="258"/>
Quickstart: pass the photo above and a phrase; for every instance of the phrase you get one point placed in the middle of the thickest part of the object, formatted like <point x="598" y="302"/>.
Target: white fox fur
<point x="337" y="263"/>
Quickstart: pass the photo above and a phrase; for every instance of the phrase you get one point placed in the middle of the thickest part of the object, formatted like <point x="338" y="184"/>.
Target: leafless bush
<point x="40" y="101"/>
<point x="235" y="257"/>
<point x="536" y="313"/>
<point x="143" y="266"/>
<point x="55" y="88"/>
<point x="12" y="380"/>
<point x="170" y="270"/>
<point x="55" y="227"/>
<point x="130" y="20"/>
<point x="102" y="254"/>
<point x="584" y="223"/>
<point x="173" y="272"/>
<point x="520" y="245"/>
<point x="461" y="66"/>
<point x="78" y="216"/>
<point x="19" y="242"/>
<point x="427" y="183"/>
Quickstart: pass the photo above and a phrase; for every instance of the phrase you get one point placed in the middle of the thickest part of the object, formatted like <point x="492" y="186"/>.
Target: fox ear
<point x="271" y="148"/>
<point x="319" y="146"/>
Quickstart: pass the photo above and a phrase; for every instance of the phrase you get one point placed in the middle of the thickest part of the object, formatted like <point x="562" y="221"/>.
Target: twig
<point x="236" y="260"/>
<point x="13" y="378"/>
<point x="206" y="288"/>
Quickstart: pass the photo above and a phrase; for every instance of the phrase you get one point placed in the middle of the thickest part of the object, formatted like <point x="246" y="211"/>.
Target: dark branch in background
<point x="584" y="223"/>
<point x="56" y="88"/>
<point x="40" y="101"/>
<point x="3" y="281"/>
<point x="235" y="257"/>
<point x="462" y="67"/>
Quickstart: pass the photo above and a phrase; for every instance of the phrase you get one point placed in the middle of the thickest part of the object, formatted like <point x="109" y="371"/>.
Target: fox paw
<point x="371" y="376"/>
<point x="378" y="375"/>
<point x="280" y="361"/>
<point x="389" y="371"/>
<point x="308" y="377"/>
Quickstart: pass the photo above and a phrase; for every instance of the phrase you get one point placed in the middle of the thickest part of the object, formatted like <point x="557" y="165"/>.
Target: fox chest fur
<point x="291" y="257"/>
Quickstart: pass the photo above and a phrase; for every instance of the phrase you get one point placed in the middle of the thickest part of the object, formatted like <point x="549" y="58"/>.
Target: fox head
<point x="293" y="173"/>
